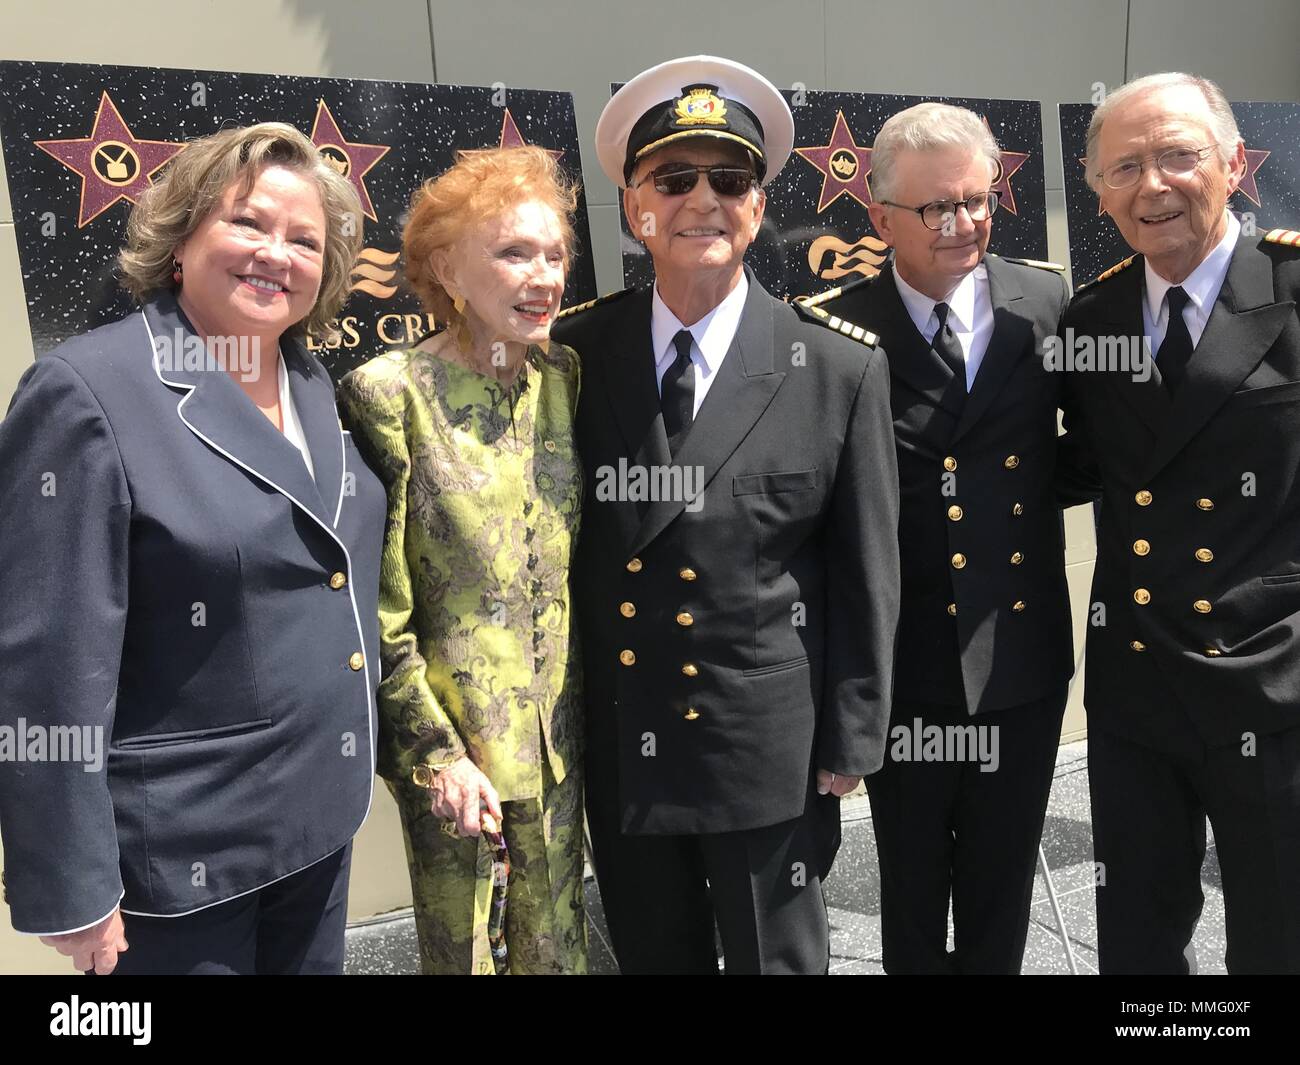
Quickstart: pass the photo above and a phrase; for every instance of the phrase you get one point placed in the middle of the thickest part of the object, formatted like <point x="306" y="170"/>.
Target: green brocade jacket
<point x="480" y="652"/>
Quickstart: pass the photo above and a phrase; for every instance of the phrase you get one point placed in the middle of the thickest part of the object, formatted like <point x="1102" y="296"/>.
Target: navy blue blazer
<point x="170" y="572"/>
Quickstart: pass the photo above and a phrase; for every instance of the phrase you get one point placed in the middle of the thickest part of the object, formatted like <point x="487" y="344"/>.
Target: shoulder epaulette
<point x="818" y="298"/>
<point x="578" y="307"/>
<point x="1289" y="237"/>
<point x="1040" y="263"/>
<point x="839" y="325"/>
<point x="1105" y="274"/>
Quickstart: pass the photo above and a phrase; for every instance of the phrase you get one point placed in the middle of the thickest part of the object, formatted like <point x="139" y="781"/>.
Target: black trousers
<point x="944" y="829"/>
<point x="1148" y="828"/>
<point x="293" y="926"/>
<point x="762" y="886"/>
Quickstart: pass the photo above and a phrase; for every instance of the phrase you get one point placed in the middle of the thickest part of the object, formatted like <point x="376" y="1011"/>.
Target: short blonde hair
<point x="193" y="184"/>
<point x="480" y="184"/>
<point x="927" y="127"/>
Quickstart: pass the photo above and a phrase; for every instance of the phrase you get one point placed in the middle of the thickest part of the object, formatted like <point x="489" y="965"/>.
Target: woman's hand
<point x="96" y="947"/>
<point x="459" y="792"/>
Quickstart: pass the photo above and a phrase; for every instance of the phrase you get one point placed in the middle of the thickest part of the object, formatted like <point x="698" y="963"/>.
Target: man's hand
<point x="835" y="784"/>
<point x="93" y="948"/>
<point x="459" y="792"/>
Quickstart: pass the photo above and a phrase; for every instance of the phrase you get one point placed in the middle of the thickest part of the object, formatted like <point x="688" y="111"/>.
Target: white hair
<point x="925" y="128"/>
<point x="1223" y="125"/>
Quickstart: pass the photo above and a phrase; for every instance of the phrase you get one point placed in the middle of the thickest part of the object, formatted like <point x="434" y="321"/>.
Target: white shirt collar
<point x="293" y="431"/>
<point x="712" y="334"/>
<point x="1202" y="284"/>
<point x="961" y="303"/>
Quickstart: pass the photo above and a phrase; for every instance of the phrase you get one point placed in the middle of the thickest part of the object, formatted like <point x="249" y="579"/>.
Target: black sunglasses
<point x="677" y="179"/>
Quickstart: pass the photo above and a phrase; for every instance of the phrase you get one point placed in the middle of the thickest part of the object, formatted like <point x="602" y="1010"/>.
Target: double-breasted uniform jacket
<point x="171" y="573"/>
<point x="735" y="642"/>
<point x="985" y="609"/>
<point x="1198" y="553"/>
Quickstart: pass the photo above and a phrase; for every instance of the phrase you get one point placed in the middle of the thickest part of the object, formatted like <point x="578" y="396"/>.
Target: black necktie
<point x="947" y="346"/>
<point x="678" y="393"/>
<point x="1176" y="348"/>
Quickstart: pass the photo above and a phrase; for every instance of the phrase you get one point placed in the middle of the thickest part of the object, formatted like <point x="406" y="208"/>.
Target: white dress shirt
<point x="292" y="426"/>
<point x="1202" y="287"/>
<point x="970" y="316"/>
<point x="712" y="336"/>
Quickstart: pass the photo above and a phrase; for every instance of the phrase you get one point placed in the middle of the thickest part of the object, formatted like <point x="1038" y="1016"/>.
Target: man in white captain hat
<point x="737" y="581"/>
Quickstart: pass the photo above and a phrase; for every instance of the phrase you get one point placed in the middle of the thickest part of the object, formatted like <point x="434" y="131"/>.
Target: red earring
<point x="177" y="270"/>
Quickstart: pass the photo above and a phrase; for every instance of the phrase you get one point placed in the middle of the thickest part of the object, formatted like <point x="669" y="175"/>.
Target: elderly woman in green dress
<point x="472" y="433"/>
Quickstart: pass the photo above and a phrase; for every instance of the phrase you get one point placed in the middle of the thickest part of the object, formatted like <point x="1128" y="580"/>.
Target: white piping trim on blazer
<point x="356" y="617"/>
<point x="79" y="928"/>
<point x="343" y="479"/>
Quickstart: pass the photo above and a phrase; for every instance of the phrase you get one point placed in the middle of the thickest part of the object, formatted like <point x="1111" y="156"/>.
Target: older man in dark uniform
<point x="984" y="647"/>
<point x="737" y="578"/>
<point x="1193" y="675"/>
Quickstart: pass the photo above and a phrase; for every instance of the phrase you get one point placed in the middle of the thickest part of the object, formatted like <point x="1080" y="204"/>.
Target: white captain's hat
<point x="696" y="96"/>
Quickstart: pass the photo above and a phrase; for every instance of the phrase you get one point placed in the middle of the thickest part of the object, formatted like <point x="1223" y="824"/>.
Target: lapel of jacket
<point x="746" y="385"/>
<point x="313" y="398"/>
<point x="1244" y="323"/>
<point x="1122" y="318"/>
<point x="1012" y="329"/>
<point x="631" y="387"/>
<point x="214" y="408"/>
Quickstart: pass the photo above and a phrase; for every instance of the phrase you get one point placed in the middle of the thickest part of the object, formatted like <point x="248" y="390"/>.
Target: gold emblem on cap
<point x="701" y="107"/>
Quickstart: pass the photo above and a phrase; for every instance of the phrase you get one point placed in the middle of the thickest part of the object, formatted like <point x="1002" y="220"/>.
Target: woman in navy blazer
<point x="189" y="566"/>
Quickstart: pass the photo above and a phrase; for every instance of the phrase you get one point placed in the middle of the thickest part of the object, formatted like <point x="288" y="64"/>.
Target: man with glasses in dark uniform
<point x="1193" y="683"/>
<point x="984" y="644"/>
<point x="736" y="583"/>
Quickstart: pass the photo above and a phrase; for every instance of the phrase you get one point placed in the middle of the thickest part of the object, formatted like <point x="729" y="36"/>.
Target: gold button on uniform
<point x="687" y="574"/>
<point x="952" y="609"/>
<point x="1138" y="645"/>
<point x="1205" y="504"/>
<point x="691" y="669"/>
<point x="634" y="566"/>
<point x="1202" y="606"/>
<point x="628" y="658"/>
<point x="338" y="581"/>
<point x="357" y="660"/>
<point x="1204" y="554"/>
<point x="1212" y="652"/>
<point x="950" y="464"/>
<point x="691" y="714"/>
<point x="1018" y="606"/>
<point x="1017" y="510"/>
<point x="955" y="512"/>
<point x="1141" y="597"/>
<point x="1017" y="558"/>
<point x="1141" y="547"/>
<point x="1011" y="461"/>
<point x="685" y="620"/>
<point x="550" y="446"/>
<point x="958" y="561"/>
<point x="1143" y="498"/>
<point x="628" y="610"/>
